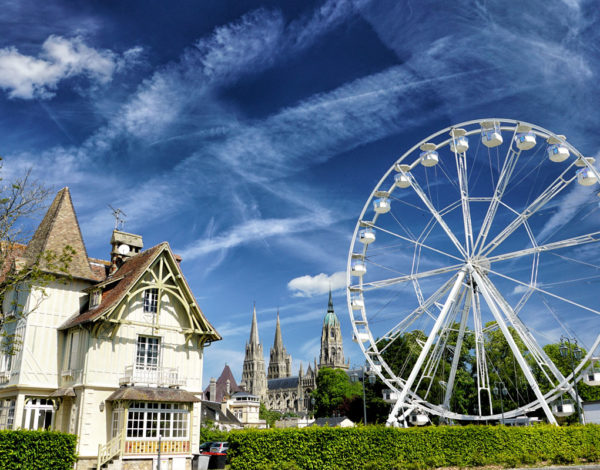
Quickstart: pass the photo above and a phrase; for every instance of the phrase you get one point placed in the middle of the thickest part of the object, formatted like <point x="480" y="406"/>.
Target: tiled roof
<point x="153" y="394"/>
<point x="58" y="229"/>
<point x="127" y="274"/>
<point x="9" y="252"/>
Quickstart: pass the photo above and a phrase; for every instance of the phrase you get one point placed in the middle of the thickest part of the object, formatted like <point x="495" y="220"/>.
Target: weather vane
<point x="119" y="215"/>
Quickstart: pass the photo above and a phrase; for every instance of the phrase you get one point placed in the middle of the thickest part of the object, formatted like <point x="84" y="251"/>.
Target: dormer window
<point x="95" y="298"/>
<point x="150" y="300"/>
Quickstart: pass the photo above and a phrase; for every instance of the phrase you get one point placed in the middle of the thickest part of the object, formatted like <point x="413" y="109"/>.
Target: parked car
<point x="219" y="447"/>
<point x="205" y="446"/>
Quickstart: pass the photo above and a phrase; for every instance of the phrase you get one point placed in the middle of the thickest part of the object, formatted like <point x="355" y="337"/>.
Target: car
<point x="205" y="446"/>
<point x="219" y="447"/>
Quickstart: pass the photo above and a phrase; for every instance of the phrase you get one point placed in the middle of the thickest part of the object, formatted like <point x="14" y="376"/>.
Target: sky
<point x="250" y="134"/>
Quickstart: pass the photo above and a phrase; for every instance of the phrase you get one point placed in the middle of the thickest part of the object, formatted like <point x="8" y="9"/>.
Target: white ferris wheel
<point x="483" y="233"/>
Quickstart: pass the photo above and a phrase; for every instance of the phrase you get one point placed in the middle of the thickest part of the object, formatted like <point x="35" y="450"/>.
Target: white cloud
<point x="519" y="289"/>
<point x="307" y="286"/>
<point x="28" y="77"/>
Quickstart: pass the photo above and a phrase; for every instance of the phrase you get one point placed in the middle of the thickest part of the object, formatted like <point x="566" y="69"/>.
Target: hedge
<point x="379" y="448"/>
<point x="37" y="450"/>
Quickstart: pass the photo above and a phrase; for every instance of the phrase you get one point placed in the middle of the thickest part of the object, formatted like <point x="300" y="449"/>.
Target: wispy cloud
<point x="307" y="286"/>
<point x="29" y="77"/>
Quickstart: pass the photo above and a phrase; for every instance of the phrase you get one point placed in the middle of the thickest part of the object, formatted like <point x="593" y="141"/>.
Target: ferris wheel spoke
<point x="463" y="182"/>
<point x="549" y="193"/>
<point x="366" y="286"/>
<point x="537" y="352"/>
<point x="451" y="299"/>
<point x="433" y="211"/>
<point x="491" y="302"/>
<point x="508" y="168"/>
<point x="568" y="242"/>
<point x="398" y="330"/>
<point x="538" y="289"/>
<point x="414" y="242"/>
<point x="458" y="348"/>
<point x="483" y="378"/>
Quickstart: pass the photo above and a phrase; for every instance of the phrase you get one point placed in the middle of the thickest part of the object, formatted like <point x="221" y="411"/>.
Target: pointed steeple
<point x="254" y="328"/>
<point x="58" y="229"/>
<point x="301" y="371"/>
<point x="278" y="343"/>
<point x="330" y="305"/>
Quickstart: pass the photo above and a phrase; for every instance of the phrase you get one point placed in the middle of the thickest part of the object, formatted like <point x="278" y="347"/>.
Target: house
<point x="219" y="417"/>
<point x="111" y="351"/>
<point x="233" y="399"/>
<point x="294" y="422"/>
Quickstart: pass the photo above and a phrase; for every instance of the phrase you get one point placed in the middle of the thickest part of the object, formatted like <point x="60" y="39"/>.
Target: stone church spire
<point x="280" y="362"/>
<point x="332" y="347"/>
<point x="253" y="374"/>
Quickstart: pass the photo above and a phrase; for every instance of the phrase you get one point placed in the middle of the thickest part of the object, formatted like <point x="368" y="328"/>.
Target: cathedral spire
<point x="332" y="348"/>
<point x="330" y="305"/>
<point x="254" y="329"/>
<point x="278" y="343"/>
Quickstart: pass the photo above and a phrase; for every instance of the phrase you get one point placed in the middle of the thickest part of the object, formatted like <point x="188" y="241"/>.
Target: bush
<point x="378" y="448"/>
<point x="37" y="450"/>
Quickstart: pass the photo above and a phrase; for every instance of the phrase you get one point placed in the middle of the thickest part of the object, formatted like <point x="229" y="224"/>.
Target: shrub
<point x="378" y="448"/>
<point x="39" y="450"/>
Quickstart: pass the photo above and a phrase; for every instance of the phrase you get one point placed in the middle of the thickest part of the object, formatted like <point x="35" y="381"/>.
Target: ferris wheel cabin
<point x="366" y="236"/>
<point x="459" y="142"/>
<point x="429" y="157"/>
<point x="491" y="135"/>
<point x="557" y="151"/>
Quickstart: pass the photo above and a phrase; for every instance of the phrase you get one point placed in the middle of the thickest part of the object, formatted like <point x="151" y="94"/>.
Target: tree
<point x="335" y="392"/>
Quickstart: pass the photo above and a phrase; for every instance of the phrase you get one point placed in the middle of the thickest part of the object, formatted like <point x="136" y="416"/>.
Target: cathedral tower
<point x="332" y="347"/>
<point x="280" y="362"/>
<point x="253" y="374"/>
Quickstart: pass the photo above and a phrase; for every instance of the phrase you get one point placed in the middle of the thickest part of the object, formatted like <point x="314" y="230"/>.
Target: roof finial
<point x="119" y="221"/>
<point x="330" y="305"/>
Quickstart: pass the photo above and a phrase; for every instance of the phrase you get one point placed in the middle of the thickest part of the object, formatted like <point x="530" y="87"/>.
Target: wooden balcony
<point x="152" y="377"/>
<point x="142" y="447"/>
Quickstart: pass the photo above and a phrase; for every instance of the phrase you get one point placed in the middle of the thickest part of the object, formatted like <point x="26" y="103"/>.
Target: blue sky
<point x="250" y="134"/>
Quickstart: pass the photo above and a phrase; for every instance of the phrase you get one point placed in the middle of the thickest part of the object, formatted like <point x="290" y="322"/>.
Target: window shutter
<point x="74" y="360"/>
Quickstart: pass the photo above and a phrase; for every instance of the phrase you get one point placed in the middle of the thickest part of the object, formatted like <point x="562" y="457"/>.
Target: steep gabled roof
<point x="58" y="229"/>
<point x="221" y="390"/>
<point x="116" y="287"/>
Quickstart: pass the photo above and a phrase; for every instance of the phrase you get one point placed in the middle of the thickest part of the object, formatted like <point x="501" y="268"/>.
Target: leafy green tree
<point x="270" y="416"/>
<point x="334" y="392"/>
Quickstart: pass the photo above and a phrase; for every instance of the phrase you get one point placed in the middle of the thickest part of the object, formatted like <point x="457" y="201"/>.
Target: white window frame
<point x="34" y="409"/>
<point x="7" y="413"/>
<point x="95" y="298"/>
<point x="146" y="420"/>
<point x="151" y="301"/>
<point x="144" y="353"/>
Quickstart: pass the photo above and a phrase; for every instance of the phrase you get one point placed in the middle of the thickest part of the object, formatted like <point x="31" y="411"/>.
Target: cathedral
<point x="276" y="386"/>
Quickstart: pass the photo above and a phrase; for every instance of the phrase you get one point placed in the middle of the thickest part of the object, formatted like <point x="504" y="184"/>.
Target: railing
<point x="111" y="450"/>
<point x="4" y="377"/>
<point x="151" y="447"/>
<point x="160" y="376"/>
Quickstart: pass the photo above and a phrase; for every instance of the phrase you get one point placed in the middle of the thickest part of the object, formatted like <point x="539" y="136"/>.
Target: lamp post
<point x="571" y="348"/>
<point x="500" y="390"/>
<point x="354" y="378"/>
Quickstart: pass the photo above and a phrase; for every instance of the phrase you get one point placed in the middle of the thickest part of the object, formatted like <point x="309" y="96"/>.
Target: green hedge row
<point x="378" y="448"/>
<point x="37" y="450"/>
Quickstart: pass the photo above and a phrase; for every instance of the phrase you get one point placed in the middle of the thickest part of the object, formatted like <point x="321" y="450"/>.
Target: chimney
<point x="124" y="246"/>
<point x="212" y="390"/>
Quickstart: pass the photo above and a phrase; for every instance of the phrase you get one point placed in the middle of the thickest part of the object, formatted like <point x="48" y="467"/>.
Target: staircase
<point x="107" y="453"/>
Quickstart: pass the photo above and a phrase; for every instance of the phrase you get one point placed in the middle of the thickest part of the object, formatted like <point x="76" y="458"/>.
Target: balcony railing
<point x="158" y="377"/>
<point x="4" y="377"/>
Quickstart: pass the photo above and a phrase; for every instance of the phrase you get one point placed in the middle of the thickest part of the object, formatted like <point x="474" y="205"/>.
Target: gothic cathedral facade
<point x="278" y="388"/>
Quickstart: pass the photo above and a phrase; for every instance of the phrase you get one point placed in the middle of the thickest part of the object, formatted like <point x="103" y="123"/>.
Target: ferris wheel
<point x="476" y="251"/>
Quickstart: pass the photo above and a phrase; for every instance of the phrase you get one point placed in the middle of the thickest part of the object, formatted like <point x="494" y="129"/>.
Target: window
<point x="147" y="355"/>
<point x="95" y="298"/>
<point x="150" y="300"/>
<point x="147" y="420"/>
<point x="7" y="413"/>
<point x="39" y="414"/>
